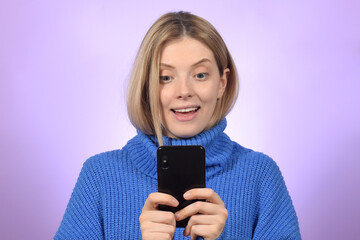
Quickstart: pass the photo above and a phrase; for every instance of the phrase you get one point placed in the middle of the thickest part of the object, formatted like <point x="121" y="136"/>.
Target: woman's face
<point x="190" y="84"/>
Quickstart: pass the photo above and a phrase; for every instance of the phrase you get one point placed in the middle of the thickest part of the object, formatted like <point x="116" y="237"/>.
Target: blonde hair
<point x="143" y="102"/>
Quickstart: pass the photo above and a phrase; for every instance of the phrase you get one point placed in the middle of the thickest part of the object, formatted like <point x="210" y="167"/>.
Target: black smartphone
<point x="179" y="169"/>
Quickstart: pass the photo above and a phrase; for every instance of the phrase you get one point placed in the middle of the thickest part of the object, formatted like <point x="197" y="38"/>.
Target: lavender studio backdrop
<point x="64" y="67"/>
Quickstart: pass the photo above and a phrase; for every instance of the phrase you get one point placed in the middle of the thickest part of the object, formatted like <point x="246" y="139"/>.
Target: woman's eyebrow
<point x="201" y="61"/>
<point x="197" y="63"/>
<point x="166" y="65"/>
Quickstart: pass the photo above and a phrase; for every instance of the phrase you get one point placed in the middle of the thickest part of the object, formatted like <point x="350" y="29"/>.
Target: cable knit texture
<point x="112" y="188"/>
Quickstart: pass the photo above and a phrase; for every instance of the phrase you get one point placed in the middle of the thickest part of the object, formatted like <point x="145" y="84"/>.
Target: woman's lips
<point x="185" y="114"/>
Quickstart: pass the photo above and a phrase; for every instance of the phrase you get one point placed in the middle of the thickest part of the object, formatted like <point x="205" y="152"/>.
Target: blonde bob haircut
<point x="143" y="102"/>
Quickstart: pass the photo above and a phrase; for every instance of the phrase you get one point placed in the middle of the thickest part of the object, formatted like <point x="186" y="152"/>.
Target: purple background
<point x="64" y="67"/>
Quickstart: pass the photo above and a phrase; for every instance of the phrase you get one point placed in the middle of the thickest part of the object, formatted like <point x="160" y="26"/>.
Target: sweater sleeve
<point x="276" y="218"/>
<point x="83" y="215"/>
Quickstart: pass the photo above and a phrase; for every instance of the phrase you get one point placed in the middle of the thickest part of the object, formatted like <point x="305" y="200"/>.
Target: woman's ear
<point x="223" y="82"/>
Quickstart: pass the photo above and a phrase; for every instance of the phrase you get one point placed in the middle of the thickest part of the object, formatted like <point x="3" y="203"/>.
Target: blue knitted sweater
<point x="112" y="187"/>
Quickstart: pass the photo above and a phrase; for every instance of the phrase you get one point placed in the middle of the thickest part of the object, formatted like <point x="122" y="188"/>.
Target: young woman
<point x="183" y="84"/>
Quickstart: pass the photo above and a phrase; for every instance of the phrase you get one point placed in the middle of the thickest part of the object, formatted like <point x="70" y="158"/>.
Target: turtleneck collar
<point x="218" y="147"/>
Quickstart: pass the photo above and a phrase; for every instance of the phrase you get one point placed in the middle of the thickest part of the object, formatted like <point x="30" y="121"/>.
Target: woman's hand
<point x="210" y="221"/>
<point x="156" y="224"/>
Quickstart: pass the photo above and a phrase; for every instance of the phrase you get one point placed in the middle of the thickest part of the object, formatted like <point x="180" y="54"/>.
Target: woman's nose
<point x="184" y="88"/>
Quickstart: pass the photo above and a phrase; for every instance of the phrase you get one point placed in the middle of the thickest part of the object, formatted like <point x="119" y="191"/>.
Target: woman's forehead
<point x="186" y="51"/>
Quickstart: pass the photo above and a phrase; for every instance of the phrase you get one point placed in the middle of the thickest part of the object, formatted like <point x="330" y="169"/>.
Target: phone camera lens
<point x="165" y="162"/>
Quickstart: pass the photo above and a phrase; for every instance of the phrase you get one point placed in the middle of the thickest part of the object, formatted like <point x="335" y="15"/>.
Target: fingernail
<point x="177" y="215"/>
<point x="175" y="202"/>
<point x="186" y="195"/>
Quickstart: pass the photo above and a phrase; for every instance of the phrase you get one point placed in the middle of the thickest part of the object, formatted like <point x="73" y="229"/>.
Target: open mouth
<point x="185" y="110"/>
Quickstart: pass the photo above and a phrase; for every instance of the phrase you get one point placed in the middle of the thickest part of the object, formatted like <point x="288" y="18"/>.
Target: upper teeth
<point x="185" y="110"/>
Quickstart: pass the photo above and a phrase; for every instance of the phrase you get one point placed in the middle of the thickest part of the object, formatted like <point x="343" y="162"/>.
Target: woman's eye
<point x="201" y="75"/>
<point x="165" y="78"/>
